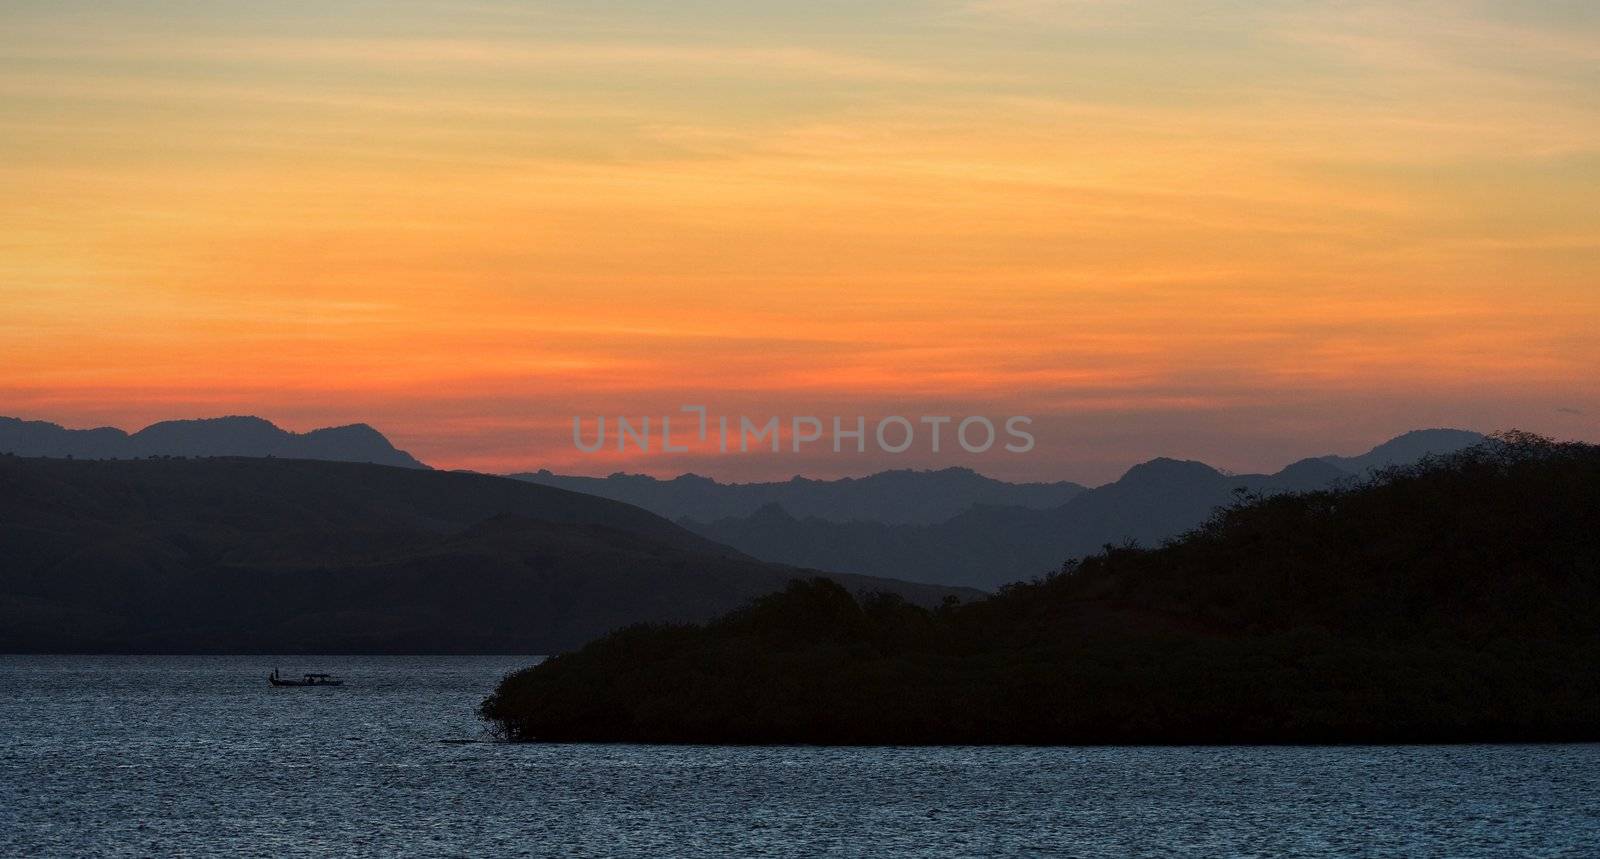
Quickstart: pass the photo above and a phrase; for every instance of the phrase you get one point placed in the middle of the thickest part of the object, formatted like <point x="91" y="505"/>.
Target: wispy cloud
<point x="758" y="61"/>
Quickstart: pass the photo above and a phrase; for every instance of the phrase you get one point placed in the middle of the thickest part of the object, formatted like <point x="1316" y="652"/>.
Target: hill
<point x="1406" y="448"/>
<point x="228" y="436"/>
<point x="902" y="496"/>
<point x="1450" y="601"/>
<point x="986" y="546"/>
<point x="284" y="556"/>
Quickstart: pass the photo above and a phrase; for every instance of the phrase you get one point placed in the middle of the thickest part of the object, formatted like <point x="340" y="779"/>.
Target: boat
<point x="305" y="680"/>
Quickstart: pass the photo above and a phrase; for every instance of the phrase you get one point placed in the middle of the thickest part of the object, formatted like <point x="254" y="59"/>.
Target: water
<point x="145" y="756"/>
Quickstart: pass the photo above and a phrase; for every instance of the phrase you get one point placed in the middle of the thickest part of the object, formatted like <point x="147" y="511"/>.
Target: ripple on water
<point x="160" y="755"/>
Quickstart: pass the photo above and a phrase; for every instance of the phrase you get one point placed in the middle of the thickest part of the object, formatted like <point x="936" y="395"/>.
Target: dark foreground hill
<point x="1455" y="600"/>
<point x="275" y="555"/>
<point x="237" y="435"/>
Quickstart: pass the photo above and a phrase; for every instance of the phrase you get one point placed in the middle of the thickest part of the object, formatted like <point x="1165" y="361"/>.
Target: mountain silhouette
<point x="902" y="496"/>
<point x="1316" y="473"/>
<point x="1405" y="449"/>
<point x="988" y="546"/>
<point x="1452" y="601"/>
<point x="233" y="554"/>
<point x="226" y="436"/>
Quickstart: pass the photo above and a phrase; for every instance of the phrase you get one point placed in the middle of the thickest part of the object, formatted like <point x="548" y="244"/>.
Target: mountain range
<point x="227" y="436"/>
<point x="988" y="546"/>
<point x="913" y="497"/>
<point x="901" y="496"/>
<point x="257" y="555"/>
<point x="952" y="526"/>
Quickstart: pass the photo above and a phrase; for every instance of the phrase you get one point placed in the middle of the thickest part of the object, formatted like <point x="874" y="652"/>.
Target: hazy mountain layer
<point x="893" y="497"/>
<point x="988" y="546"/>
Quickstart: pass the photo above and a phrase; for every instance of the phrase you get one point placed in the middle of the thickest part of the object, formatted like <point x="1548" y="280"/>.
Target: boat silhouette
<point x="305" y="680"/>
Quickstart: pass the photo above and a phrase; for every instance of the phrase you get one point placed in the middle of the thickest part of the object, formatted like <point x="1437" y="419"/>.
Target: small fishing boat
<point x="305" y="680"/>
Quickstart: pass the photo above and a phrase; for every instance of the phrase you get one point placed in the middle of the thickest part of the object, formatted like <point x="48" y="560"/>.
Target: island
<point x="1449" y="601"/>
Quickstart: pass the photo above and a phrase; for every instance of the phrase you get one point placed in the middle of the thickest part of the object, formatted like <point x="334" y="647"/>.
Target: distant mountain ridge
<point x="1407" y="448"/>
<point x="987" y="546"/>
<point x="900" y="496"/>
<point x="235" y="435"/>
<point x="928" y="497"/>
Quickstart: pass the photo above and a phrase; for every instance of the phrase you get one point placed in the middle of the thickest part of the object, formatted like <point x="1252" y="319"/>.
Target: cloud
<point x="766" y="61"/>
<point x="1079" y="12"/>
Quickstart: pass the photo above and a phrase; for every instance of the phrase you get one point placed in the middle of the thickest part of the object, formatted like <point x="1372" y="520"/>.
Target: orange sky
<point x="1233" y="231"/>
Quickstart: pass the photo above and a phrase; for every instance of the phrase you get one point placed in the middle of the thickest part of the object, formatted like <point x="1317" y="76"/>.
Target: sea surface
<point x="169" y="755"/>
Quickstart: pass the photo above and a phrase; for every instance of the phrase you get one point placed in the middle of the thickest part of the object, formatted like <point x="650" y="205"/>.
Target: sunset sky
<point x="1243" y="232"/>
